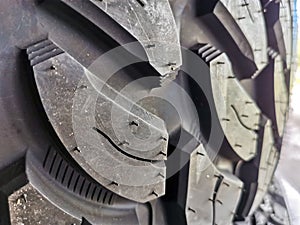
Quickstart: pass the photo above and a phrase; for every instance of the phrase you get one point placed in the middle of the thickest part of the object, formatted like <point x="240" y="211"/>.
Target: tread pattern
<point x="237" y="112"/>
<point x="268" y="161"/>
<point x="140" y="20"/>
<point x="209" y="52"/>
<point x="83" y="124"/>
<point x="250" y="83"/>
<point x="285" y="19"/>
<point x="42" y="51"/>
<point x="243" y="21"/>
<point x="281" y="95"/>
<point x="249" y="17"/>
<point x="211" y="192"/>
<point x="66" y="175"/>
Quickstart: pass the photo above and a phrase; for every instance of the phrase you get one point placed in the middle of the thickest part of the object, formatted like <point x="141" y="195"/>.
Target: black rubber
<point x="41" y="39"/>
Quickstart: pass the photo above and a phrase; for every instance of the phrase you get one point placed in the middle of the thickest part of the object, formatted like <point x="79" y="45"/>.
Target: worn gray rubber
<point x="143" y="112"/>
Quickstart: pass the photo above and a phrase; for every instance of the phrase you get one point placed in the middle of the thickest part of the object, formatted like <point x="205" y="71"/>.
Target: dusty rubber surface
<point x="111" y="120"/>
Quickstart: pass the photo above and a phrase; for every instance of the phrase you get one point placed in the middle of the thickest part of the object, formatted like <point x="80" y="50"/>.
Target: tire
<point x="138" y="112"/>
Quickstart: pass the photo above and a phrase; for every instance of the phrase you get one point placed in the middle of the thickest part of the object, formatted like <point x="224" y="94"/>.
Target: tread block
<point x="213" y="195"/>
<point x="139" y="18"/>
<point x="106" y="133"/>
<point x="249" y="16"/>
<point x="238" y="114"/>
<point x="28" y="206"/>
<point x="285" y="19"/>
<point x="268" y="161"/>
<point x="281" y="95"/>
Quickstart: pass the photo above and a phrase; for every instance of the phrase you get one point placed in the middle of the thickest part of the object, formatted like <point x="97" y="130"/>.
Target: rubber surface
<point x="140" y="112"/>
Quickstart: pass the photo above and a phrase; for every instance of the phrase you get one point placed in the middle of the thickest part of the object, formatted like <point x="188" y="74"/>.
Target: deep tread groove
<point x="64" y="175"/>
<point x="87" y="190"/>
<point x="76" y="183"/>
<point x="82" y="185"/>
<point x="99" y="194"/>
<point x="110" y="199"/>
<point x="58" y="168"/>
<point x="141" y="3"/>
<point x="52" y="163"/>
<point x="104" y="197"/>
<point x="70" y="179"/>
<point x="93" y="193"/>
<point x="46" y="157"/>
<point x="214" y="199"/>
